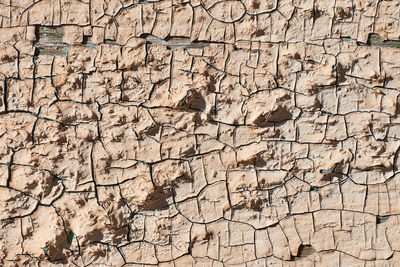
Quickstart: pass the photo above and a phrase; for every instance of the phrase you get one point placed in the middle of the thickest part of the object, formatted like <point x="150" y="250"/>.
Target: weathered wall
<point x="199" y="133"/>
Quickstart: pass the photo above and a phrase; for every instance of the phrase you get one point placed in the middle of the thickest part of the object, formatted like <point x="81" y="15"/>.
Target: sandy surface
<point x="199" y="133"/>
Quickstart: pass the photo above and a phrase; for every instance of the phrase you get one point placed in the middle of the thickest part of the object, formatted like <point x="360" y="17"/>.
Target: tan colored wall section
<point x="199" y="133"/>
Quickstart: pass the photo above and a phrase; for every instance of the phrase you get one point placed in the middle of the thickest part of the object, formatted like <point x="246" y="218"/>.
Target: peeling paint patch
<point x="49" y="41"/>
<point x="173" y="42"/>
<point x="376" y="40"/>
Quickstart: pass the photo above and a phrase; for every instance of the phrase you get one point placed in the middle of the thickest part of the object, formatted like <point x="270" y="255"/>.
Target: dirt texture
<point x="199" y="133"/>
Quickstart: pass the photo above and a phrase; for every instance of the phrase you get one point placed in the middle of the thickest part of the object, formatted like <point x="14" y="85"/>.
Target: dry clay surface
<point x="199" y="133"/>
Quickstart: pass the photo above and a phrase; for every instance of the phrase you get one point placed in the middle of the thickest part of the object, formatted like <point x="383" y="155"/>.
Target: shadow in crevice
<point x="276" y="117"/>
<point x="303" y="252"/>
<point x="381" y="219"/>
<point x="156" y="200"/>
<point x="336" y="171"/>
<point x="341" y="73"/>
<point x="193" y="101"/>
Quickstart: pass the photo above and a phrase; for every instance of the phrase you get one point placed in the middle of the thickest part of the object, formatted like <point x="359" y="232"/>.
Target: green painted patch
<point x="71" y="236"/>
<point x="46" y="251"/>
<point x="329" y="171"/>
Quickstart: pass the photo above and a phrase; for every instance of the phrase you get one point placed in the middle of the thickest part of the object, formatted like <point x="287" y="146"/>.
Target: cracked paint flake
<point x="199" y="133"/>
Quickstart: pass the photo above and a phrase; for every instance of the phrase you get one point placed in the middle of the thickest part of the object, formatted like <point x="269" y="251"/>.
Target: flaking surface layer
<point x="199" y="133"/>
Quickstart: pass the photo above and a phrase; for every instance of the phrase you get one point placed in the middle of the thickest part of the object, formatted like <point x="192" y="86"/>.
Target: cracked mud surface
<point x="199" y="133"/>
